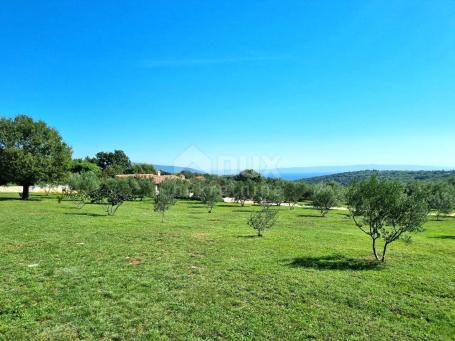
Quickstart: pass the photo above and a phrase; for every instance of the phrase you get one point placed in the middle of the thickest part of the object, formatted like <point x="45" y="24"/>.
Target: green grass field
<point x="70" y="273"/>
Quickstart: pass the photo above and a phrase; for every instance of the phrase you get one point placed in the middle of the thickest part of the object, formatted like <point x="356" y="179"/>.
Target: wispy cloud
<point x="156" y="63"/>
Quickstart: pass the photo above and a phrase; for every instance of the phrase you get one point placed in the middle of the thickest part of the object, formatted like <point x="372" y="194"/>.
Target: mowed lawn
<point x="69" y="273"/>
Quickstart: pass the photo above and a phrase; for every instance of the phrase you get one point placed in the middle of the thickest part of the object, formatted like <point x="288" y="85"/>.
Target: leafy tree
<point x="135" y="187"/>
<point x="325" y="197"/>
<point x="261" y="192"/>
<point x="227" y="187"/>
<point x="83" y="186"/>
<point x="83" y="166"/>
<point x="112" y="163"/>
<point x="292" y="193"/>
<point x="249" y="174"/>
<point x="31" y="152"/>
<point x="210" y="195"/>
<point x="146" y="188"/>
<point x="263" y="219"/>
<point x="196" y="187"/>
<point x="385" y="209"/>
<point x="165" y="198"/>
<point x="442" y="199"/>
<point x="113" y="193"/>
<point x="275" y="195"/>
<point x="243" y="190"/>
<point x="141" y="168"/>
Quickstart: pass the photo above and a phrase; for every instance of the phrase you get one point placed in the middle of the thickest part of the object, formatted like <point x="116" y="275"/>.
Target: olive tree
<point x="325" y="197"/>
<point x="243" y="190"/>
<point x="263" y="219"/>
<point x="165" y="197"/>
<point x="210" y="195"/>
<point x="83" y="186"/>
<point x="30" y="153"/>
<point x="113" y="193"/>
<point x="442" y="199"/>
<point x="384" y="209"/>
<point x="293" y="192"/>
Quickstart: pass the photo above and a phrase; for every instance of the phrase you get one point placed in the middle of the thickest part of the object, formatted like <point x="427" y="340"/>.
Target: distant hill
<point x="176" y="169"/>
<point x="398" y="175"/>
<point x="296" y="173"/>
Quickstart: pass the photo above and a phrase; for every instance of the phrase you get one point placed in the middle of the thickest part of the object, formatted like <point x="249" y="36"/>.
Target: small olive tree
<point x="292" y="193"/>
<point x="442" y="199"/>
<point x="113" y="193"/>
<point x="384" y="209"/>
<point x="325" y="197"/>
<point x="210" y="195"/>
<point x="263" y="219"/>
<point x="165" y="197"/>
<point x="82" y="187"/>
<point x="243" y="190"/>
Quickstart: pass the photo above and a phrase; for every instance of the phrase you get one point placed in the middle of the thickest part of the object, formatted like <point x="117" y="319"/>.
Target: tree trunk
<point x="374" y="249"/>
<point x="25" y="192"/>
<point x="383" y="252"/>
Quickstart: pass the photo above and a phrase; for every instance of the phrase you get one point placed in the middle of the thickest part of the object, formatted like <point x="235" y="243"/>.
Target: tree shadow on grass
<point x="250" y="236"/>
<point x="230" y="205"/>
<point x="19" y="199"/>
<point x="310" y="216"/>
<point x="335" y="262"/>
<point x="87" y="214"/>
<point x="444" y="237"/>
<point x="243" y="211"/>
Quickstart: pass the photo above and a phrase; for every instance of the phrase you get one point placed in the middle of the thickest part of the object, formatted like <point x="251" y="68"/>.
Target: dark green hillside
<point x="402" y="176"/>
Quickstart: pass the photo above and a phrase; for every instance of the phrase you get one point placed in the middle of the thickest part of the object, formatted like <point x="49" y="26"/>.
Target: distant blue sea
<point x="297" y="176"/>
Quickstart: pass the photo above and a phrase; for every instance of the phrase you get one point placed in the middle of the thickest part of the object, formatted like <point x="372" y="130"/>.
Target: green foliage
<point x="243" y="190"/>
<point x="31" y="152"/>
<point x="82" y="187"/>
<point x="263" y="219"/>
<point x="249" y="174"/>
<point x="112" y="163"/>
<point x="210" y="195"/>
<point x="442" y="198"/>
<point x="113" y="193"/>
<point x="84" y="166"/>
<point x="275" y="195"/>
<point x="401" y="176"/>
<point x="146" y="189"/>
<point x="165" y="197"/>
<point x="385" y="209"/>
<point x="141" y="168"/>
<point x="325" y="196"/>
<point x="292" y="193"/>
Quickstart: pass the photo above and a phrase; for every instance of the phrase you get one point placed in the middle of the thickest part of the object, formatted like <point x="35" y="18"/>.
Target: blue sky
<point x="306" y="82"/>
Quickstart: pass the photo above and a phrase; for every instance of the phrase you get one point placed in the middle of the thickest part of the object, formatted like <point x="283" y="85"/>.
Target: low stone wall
<point x="33" y="189"/>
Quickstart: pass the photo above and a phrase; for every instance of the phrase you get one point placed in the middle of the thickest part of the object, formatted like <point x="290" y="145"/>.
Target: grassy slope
<point x="203" y="276"/>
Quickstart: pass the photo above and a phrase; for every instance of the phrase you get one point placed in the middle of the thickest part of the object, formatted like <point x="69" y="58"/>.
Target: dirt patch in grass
<point x="134" y="261"/>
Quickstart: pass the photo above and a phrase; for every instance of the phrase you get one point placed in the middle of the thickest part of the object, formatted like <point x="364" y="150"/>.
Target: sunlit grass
<point x="70" y="273"/>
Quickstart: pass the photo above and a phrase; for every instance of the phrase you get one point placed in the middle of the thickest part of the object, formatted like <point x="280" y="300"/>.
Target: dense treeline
<point x="400" y="176"/>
